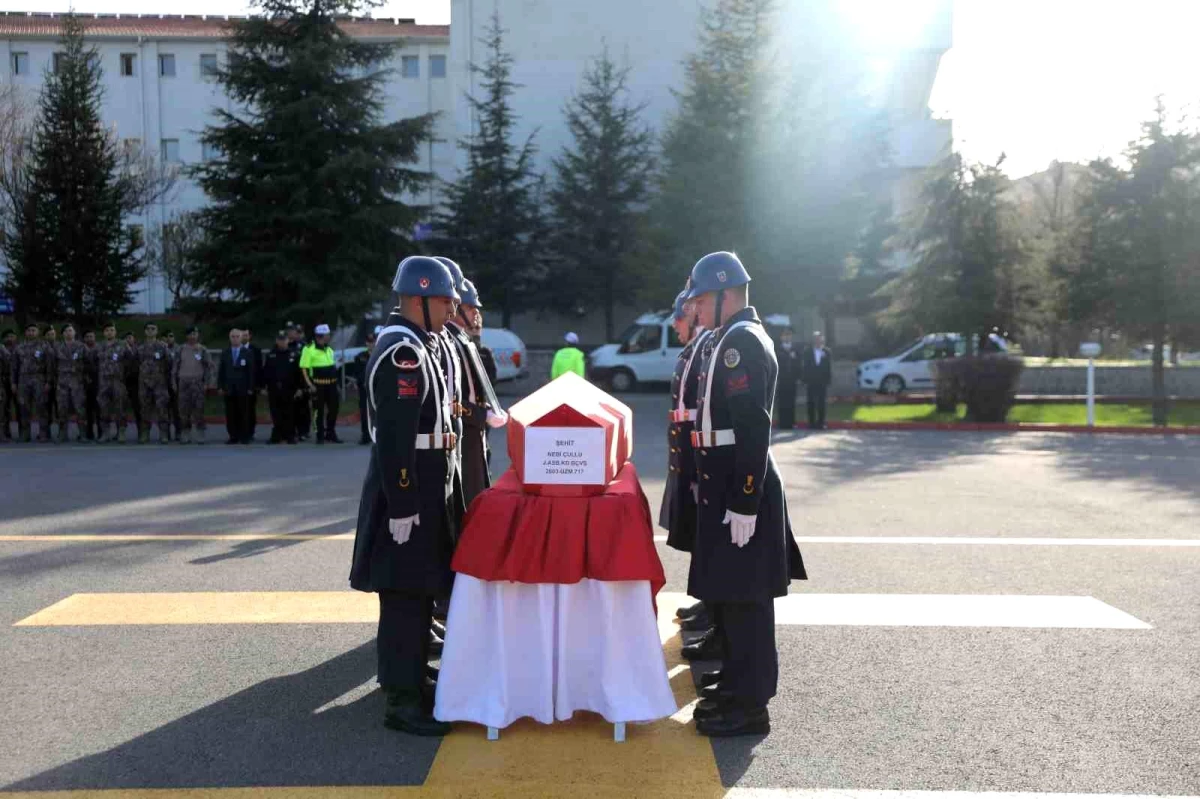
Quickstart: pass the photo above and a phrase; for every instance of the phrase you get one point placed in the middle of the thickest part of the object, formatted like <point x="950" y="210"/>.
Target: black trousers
<point x="785" y="400"/>
<point x="326" y="401"/>
<point x="238" y="408"/>
<point x="173" y="407"/>
<point x="403" y="640"/>
<point x="302" y="415"/>
<point x="362" y="412"/>
<point x="750" y="667"/>
<point x="816" y="405"/>
<point x="134" y="395"/>
<point x="282" y="404"/>
<point x="93" y="411"/>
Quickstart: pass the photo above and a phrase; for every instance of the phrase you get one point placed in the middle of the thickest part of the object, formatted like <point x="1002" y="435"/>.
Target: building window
<point x="20" y="63"/>
<point x="209" y="152"/>
<point x="170" y="151"/>
<point x="410" y="66"/>
<point x="166" y="65"/>
<point x="208" y="65"/>
<point x="59" y="58"/>
<point x="128" y="65"/>
<point x="437" y="66"/>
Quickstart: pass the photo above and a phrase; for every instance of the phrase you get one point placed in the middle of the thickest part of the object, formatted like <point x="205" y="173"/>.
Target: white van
<point x="908" y="367"/>
<point x="645" y="353"/>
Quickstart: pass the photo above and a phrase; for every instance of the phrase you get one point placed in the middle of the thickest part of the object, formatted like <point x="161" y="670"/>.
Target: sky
<point x="1037" y="80"/>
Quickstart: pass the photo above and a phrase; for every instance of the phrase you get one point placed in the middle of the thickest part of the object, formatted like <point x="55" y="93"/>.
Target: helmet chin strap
<point x="717" y="311"/>
<point x="463" y="317"/>
<point x="425" y="311"/>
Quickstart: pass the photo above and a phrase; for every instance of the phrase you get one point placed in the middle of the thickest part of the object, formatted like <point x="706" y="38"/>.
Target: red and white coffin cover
<point x="571" y="402"/>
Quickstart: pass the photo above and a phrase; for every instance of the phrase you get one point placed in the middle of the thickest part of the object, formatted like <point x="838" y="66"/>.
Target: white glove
<point x="696" y="492"/>
<point x="401" y="529"/>
<point x="741" y="527"/>
<point x="496" y="420"/>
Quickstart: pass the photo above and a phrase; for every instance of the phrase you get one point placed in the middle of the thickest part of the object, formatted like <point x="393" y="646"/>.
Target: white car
<point x="646" y="353"/>
<point x="908" y="367"/>
<point x="507" y="348"/>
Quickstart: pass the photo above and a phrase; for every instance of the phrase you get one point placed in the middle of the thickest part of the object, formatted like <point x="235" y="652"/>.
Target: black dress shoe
<point x="441" y="607"/>
<point x="735" y="721"/>
<point x="690" y="610"/>
<point x="404" y="713"/>
<point x="438" y="629"/>
<point x="714" y="691"/>
<point x="696" y="624"/>
<point x="432" y="672"/>
<point x="436" y="645"/>
<point x="711" y="708"/>
<point x="333" y="439"/>
<point x="710" y="678"/>
<point x="706" y="648"/>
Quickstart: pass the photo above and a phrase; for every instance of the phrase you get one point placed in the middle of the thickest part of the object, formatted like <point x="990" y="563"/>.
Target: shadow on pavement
<point x="1157" y="463"/>
<point x="266" y="735"/>
<point x="261" y="546"/>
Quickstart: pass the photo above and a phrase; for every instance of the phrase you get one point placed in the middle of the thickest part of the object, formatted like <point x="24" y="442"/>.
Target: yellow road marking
<point x="574" y="758"/>
<point x="137" y="537"/>
<point x="224" y="607"/>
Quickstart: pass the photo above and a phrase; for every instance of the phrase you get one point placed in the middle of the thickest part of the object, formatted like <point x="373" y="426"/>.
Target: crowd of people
<point x="54" y="377"/>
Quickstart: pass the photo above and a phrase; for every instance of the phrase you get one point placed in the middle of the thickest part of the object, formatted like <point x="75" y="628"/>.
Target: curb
<point x="1012" y="427"/>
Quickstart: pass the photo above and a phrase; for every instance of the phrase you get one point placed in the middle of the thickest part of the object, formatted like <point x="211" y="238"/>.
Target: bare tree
<point x="171" y="253"/>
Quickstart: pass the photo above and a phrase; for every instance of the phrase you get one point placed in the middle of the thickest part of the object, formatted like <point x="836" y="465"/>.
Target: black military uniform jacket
<point x="736" y="394"/>
<point x="281" y="371"/>
<point x="678" y="513"/>
<point x="473" y="406"/>
<point x="408" y="398"/>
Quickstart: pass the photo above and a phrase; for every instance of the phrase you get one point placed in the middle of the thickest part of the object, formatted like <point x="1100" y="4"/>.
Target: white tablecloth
<point x="546" y="651"/>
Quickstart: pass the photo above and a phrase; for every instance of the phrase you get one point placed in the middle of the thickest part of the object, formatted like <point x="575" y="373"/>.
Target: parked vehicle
<point x="645" y="353"/>
<point x="908" y="367"/>
<point x="507" y="348"/>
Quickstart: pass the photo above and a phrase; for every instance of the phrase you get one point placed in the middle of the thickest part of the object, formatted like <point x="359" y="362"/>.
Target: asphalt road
<point x="864" y="706"/>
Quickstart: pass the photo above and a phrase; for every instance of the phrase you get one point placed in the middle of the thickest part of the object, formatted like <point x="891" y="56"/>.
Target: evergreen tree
<point x="67" y="249"/>
<point x="491" y="220"/>
<point x="968" y="274"/>
<point x="307" y="215"/>
<point x="707" y="145"/>
<point x="602" y="183"/>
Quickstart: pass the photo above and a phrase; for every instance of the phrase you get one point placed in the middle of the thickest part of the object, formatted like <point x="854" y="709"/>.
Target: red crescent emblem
<point x="424" y="282"/>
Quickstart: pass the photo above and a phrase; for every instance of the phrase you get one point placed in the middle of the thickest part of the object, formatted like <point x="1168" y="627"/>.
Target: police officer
<point x="318" y="364"/>
<point x="406" y="526"/>
<point x="281" y="372"/>
<point x="360" y="379"/>
<point x="678" y="512"/>
<point x="301" y="409"/>
<point x="743" y="555"/>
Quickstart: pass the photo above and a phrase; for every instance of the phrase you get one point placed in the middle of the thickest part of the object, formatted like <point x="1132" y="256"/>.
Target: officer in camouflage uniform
<point x="91" y="387"/>
<point x="71" y="359"/>
<point x="154" y="370"/>
<point x="112" y="355"/>
<point x="6" y="384"/>
<point x="172" y="393"/>
<point x="34" y="366"/>
<point x="191" y="372"/>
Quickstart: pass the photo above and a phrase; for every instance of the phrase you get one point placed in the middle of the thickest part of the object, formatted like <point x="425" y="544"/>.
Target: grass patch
<point x="1107" y="415"/>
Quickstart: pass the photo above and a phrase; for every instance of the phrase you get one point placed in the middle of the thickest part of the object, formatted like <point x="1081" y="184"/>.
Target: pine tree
<point x="491" y="220"/>
<point x="602" y="184"/>
<point x="307" y="213"/>
<point x="702" y="202"/>
<point x="67" y="249"/>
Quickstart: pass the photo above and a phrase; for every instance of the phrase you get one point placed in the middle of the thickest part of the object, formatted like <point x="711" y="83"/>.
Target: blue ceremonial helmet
<point x="469" y="295"/>
<point x="717" y="271"/>
<point x="455" y="270"/>
<point x="422" y="276"/>
<point x="680" y="299"/>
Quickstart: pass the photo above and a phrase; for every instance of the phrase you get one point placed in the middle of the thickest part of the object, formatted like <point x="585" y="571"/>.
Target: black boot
<point x="438" y="628"/>
<point x="707" y="647"/>
<point x="697" y="623"/>
<point x="404" y="713"/>
<point x="710" y="678"/>
<point x="731" y="721"/>
<point x="689" y="611"/>
<point x="436" y="645"/>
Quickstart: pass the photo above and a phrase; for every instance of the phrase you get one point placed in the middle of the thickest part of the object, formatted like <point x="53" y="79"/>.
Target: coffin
<point x="569" y="438"/>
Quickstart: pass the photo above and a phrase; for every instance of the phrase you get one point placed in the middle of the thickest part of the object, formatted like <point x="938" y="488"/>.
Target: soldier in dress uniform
<point x="406" y="523"/>
<point x="678" y="513"/>
<point x="743" y="556"/>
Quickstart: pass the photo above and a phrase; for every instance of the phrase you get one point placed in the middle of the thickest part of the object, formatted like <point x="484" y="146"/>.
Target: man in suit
<point x="789" y="375"/>
<point x="817" y="373"/>
<point x="256" y="362"/>
<point x="235" y="378"/>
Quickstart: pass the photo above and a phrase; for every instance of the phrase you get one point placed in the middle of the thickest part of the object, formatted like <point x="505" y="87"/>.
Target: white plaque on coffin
<point x="565" y="455"/>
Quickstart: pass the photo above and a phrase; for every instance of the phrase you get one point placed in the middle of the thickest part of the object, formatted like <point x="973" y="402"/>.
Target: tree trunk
<point x="828" y="317"/>
<point x="1175" y="350"/>
<point x="1159" y="377"/>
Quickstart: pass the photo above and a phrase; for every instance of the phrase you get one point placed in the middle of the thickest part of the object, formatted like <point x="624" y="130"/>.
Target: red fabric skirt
<point x="511" y="535"/>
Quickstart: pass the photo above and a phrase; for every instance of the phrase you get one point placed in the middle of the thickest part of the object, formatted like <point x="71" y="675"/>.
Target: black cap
<point x="170" y="334"/>
<point x="149" y="325"/>
<point x="191" y="330"/>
